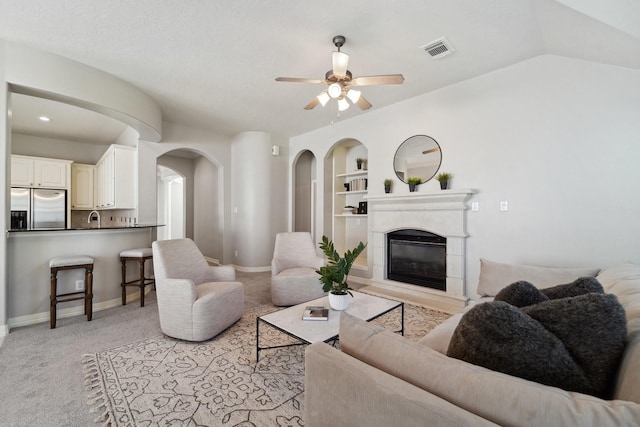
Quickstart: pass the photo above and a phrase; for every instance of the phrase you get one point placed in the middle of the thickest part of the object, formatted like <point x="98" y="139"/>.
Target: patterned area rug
<point x="164" y="381"/>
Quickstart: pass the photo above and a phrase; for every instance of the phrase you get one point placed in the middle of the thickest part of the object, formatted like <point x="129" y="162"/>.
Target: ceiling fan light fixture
<point x="340" y="63"/>
<point x="353" y="95"/>
<point x="334" y="90"/>
<point x="323" y="98"/>
<point x="343" y="104"/>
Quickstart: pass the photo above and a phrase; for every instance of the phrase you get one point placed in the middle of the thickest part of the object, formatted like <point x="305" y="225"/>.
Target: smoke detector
<point x="440" y="48"/>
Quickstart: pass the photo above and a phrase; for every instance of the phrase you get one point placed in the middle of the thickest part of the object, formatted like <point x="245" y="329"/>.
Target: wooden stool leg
<point x="124" y="280"/>
<point x="88" y="302"/>
<point x="142" y="282"/>
<point x="52" y="298"/>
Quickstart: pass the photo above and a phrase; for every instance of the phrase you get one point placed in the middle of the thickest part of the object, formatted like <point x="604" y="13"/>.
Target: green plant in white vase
<point x="333" y="276"/>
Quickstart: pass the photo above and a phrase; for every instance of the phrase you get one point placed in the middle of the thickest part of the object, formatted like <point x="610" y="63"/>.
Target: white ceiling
<point x="212" y="64"/>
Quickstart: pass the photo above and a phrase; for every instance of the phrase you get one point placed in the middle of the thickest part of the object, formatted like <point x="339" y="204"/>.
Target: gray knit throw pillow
<point x="572" y="343"/>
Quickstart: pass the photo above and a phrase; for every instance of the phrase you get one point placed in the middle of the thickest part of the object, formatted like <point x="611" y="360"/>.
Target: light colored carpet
<point x="41" y="379"/>
<point x="164" y="381"/>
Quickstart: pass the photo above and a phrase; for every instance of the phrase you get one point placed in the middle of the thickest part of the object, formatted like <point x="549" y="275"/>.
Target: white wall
<point x="553" y="136"/>
<point x="5" y="178"/>
<point x="208" y="212"/>
<point x="259" y="188"/>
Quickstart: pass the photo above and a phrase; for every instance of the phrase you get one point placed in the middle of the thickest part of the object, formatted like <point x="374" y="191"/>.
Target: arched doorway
<point x="171" y="204"/>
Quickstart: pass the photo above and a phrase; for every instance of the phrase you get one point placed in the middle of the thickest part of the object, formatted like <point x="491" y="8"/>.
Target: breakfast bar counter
<point x="28" y="274"/>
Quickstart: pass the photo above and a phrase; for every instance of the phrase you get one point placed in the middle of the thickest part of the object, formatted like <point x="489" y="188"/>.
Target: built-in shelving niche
<point x="349" y="229"/>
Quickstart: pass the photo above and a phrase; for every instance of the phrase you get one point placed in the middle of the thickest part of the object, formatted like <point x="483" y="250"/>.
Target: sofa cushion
<point x="494" y="276"/>
<point x="572" y="343"/>
<point x="501" y="398"/>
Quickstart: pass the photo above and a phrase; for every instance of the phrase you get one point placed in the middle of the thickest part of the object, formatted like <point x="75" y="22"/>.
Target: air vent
<point x="439" y="48"/>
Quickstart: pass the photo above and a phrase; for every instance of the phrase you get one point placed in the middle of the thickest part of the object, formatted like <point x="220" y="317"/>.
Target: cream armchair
<point x="195" y="300"/>
<point x="293" y="269"/>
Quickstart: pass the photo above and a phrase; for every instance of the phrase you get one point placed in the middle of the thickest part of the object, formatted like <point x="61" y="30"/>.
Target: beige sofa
<point x="383" y="379"/>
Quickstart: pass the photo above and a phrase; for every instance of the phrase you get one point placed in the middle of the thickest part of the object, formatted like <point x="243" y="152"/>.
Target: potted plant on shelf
<point x="387" y="185"/>
<point x="413" y="182"/>
<point x="444" y="178"/>
<point x="359" y="162"/>
<point x="334" y="275"/>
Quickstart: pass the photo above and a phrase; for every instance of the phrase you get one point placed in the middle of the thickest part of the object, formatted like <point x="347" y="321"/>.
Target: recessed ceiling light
<point x="44" y="119"/>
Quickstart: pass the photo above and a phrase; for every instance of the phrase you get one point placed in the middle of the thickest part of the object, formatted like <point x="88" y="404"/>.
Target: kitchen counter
<point x="136" y="226"/>
<point x="28" y="273"/>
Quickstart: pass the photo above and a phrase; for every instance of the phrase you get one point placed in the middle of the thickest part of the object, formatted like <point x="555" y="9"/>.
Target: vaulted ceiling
<point x="212" y="64"/>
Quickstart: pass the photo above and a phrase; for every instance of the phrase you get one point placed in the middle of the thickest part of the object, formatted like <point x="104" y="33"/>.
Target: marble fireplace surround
<point x="443" y="213"/>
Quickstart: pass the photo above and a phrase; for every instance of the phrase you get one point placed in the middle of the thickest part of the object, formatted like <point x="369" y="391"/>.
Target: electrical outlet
<point x="79" y="285"/>
<point x="236" y="253"/>
<point x="475" y="206"/>
<point x="504" y="206"/>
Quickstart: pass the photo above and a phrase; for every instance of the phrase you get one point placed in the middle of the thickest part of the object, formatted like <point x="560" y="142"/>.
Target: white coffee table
<point x="289" y="320"/>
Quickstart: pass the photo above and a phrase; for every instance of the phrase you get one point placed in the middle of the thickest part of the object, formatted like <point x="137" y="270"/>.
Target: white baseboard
<point x="252" y="269"/>
<point x="4" y="330"/>
<point x="32" y="319"/>
<point x="212" y="261"/>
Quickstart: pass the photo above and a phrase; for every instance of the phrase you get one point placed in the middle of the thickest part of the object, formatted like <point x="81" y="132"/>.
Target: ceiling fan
<point x="340" y="81"/>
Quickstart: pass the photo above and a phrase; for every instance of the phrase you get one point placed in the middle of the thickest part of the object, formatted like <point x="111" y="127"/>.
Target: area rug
<point x="164" y="381"/>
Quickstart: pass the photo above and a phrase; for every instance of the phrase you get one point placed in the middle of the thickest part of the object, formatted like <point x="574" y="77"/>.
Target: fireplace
<point x="443" y="215"/>
<point x="417" y="257"/>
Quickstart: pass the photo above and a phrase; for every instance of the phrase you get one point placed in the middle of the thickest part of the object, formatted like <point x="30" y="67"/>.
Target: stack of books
<point x="313" y="312"/>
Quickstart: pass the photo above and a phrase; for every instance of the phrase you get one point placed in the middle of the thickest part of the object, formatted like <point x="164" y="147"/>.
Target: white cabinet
<point x="116" y="179"/>
<point x="82" y="186"/>
<point x="39" y="172"/>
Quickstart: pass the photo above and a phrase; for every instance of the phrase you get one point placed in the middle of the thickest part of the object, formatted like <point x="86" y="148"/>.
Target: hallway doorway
<point x="171" y="204"/>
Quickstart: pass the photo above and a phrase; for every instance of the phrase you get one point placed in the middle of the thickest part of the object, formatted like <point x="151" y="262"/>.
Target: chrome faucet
<point x="91" y="216"/>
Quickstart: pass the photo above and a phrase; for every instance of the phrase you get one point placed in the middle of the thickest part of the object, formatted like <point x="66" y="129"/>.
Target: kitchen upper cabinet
<point x="82" y="186"/>
<point x="38" y="172"/>
<point x="116" y="178"/>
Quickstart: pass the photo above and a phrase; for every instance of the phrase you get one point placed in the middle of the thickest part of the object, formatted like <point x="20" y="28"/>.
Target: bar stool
<point x="71" y="263"/>
<point x="140" y="255"/>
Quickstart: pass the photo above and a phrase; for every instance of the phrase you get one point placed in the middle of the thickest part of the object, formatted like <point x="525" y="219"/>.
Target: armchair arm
<point x="178" y="294"/>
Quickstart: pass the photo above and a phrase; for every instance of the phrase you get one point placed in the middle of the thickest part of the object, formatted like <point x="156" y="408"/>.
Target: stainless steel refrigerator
<point x="38" y="209"/>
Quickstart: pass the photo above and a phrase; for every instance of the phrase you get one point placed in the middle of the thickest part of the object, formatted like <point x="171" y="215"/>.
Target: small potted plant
<point x="359" y="162"/>
<point x="413" y="182"/>
<point x="444" y="178"/>
<point x="333" y="276"/>
<point x="387" y="185"/>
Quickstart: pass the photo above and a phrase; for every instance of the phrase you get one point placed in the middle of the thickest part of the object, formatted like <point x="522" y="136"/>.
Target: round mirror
<point x="418" y="156"/>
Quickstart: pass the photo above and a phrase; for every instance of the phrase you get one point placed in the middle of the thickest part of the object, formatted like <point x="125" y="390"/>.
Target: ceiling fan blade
<point x="387" y="79"/>
<point x="363" y="104"/>
<point x="431" y="150"/>
<point x="298" y="80"/>
<point x="312" y="104"/>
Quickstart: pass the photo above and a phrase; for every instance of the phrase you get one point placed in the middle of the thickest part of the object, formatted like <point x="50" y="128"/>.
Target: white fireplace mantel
<point x="443" y="213"/>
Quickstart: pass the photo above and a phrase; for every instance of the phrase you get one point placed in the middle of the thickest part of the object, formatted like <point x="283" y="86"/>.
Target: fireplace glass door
<point x="417" y="257"/>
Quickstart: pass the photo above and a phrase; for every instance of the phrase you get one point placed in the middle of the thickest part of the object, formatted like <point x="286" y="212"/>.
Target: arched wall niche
<point x="305" y="192"/>
<point x="340" y="168"/>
